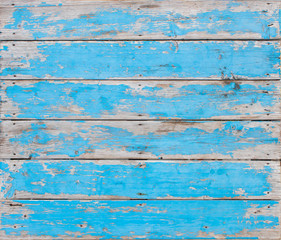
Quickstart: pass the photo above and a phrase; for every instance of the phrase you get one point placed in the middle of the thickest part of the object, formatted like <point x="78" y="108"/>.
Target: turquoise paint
<point x="231" y="137"/>
<point x="106" y="24"/>
<point x="149" y="59"/>
<point x="150" y="180"/>
<point x="46" y="99"/>
<point x="138" y="219"/>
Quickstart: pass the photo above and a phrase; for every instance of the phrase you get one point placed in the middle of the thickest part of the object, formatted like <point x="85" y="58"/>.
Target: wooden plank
<point x="141" y="139"/>
<point x="143" y="19"/>
<point x="125" y="219"/>
<point x="140" y="60"/>
<point x="36" y="99"/>
<point x="130" y="179"/>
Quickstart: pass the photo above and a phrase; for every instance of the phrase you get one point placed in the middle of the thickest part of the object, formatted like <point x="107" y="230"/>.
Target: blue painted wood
<point x="140" y="219"/>
<point x="141" y="139"/>
<point x="139" y="179"/>
<point x="141" y="60"/>
<point x="164" y="59"/>
<point x="139" y="19"/>
<point x="140" y="100"/>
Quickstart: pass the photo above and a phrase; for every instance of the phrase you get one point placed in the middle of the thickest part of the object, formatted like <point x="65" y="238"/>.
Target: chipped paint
<point x="84" y="116"/>
<point x="135" y="59"/>
<point x="121" y="139"/>
<point x="137" y="100"/>
<point x="138" y="219"/>
<point x="141" y="20"/>
<point x="147" y="179"/>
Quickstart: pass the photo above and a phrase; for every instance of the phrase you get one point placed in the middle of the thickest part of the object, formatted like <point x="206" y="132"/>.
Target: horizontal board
<point x="142" y="19"/>
<point x="129" y="179"/>
<point x="140" y="60"/>
<point x="189" y="219"/>
<point x="141" y="139"/>
<point x="36" y="99"/>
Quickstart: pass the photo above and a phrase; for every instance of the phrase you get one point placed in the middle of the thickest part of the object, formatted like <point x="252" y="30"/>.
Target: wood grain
<point x="144" y="19"/>
<point x="140" y="60"/>
<point x="141" y="139"/>
<point x="37" y="99"/>
<point x="189" y="219"/>
<point x="114" y="179"/>
<point x="141" y="119"/>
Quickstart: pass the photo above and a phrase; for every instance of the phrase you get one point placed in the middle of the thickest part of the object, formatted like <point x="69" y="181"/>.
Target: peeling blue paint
<point x="46" y="99"/>
<point x="106" y="24"/>
<point x="149" y="180"/>
<point x="149" y="59"/>
<point x="232" y="136"/>
<point x="140" y="219"/>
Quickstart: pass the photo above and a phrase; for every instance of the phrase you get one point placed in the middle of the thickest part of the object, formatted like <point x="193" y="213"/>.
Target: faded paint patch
<point x="131" y="139"/>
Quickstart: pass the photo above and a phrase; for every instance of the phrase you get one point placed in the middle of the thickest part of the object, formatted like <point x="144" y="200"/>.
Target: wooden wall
<point x="150" y="119"/>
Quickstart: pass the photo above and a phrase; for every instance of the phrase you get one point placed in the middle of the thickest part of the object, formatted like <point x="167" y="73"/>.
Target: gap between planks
<point x="138" y="199"/>
<point x="172" y="120"/>
<point x="139" y="159"/>
<point x="145" y="40"/>
<point x="151" y="79"/>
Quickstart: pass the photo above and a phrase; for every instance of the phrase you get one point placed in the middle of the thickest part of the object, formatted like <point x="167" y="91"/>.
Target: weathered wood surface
<point x="130" y="179"/>
<point x="57" y="20"/>
<point x="141" y="139"/>
<point x="73" y="167"/>
<point x="140" y="60"/>
<point x="37" y="99"/>
<point x="188" y="219"/>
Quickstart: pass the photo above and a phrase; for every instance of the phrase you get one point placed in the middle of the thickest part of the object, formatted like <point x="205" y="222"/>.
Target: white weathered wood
<point x="141" y="139"/>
